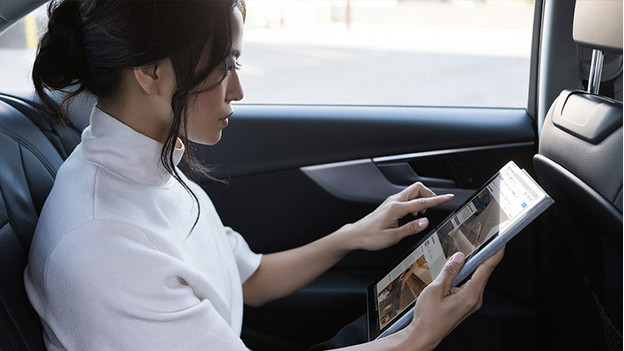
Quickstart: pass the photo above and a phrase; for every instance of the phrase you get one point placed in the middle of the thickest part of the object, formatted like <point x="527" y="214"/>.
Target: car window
<point x="18" y="46"/>
<point x="359" y="52"/>
<point x="388" y="52"/>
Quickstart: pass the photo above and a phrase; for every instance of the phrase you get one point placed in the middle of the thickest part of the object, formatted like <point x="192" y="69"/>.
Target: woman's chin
<point x="207" y="140"/>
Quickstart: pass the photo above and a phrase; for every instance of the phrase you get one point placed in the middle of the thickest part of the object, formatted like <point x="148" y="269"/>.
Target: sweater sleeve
<point x="121" y="293"/>
<point x="246" y="260"/>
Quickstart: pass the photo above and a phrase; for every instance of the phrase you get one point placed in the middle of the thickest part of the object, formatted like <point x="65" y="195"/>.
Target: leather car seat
<point x="579" y="164"/>
<point x="31" y="150"/>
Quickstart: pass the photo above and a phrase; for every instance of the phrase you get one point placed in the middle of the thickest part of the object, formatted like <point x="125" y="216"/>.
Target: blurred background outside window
<point x="361" y="52"/>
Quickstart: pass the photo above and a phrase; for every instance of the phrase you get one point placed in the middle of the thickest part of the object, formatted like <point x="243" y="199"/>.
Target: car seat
<point x="32" y="148"/>
<point x="579" y="163"/>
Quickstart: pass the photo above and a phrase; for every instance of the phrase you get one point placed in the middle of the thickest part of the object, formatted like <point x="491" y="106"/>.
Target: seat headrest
<point x="598" y="24"/>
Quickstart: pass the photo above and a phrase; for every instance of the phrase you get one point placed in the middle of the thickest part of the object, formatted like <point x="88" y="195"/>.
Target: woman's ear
<point x="148" y="78"/>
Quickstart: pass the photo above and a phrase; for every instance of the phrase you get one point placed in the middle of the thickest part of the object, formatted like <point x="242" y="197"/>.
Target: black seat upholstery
<point x="31" y="151"/>
<point x="580" y="165"/>
<point x="583" y="174"/>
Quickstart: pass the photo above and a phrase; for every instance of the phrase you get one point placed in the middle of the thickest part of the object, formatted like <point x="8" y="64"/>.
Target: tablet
<point x="497" y="211"/>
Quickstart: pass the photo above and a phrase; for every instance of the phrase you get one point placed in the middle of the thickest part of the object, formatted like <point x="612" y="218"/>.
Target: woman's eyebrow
<point x="236" y="53"/>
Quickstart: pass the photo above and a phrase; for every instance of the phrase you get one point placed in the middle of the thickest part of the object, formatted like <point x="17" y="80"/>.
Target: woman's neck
<point x="146" y="114"/>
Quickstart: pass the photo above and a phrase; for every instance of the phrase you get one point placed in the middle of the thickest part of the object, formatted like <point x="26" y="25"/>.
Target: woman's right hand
<point x="440" y="307"/>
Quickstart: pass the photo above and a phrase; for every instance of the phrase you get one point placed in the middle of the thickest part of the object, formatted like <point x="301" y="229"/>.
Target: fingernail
<point x="458" y="257"/>
<point x="423" y="222"/>
<point x="450" y="195"/>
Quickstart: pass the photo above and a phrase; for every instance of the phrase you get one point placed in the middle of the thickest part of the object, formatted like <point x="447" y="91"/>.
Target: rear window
<point x="18" y="46"/>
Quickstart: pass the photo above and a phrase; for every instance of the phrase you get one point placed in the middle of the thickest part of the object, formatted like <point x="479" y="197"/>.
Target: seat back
<point x="582" y="172"/>
<point x="579" y="164"/>
<point x="31" y="151"/>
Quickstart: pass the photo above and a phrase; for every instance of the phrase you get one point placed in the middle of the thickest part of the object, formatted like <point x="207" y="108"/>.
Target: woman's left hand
<point x="284" y="272"/>
<point x="380" y="228"/>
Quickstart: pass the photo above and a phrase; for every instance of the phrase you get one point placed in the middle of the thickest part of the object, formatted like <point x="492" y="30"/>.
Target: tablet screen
<point x="467" y="229"/>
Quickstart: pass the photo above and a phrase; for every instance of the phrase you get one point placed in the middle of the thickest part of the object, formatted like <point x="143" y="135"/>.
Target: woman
<point x="129" y="253"/>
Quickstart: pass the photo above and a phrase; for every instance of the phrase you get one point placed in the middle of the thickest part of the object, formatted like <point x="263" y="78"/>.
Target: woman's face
<point x="209" y="113"/>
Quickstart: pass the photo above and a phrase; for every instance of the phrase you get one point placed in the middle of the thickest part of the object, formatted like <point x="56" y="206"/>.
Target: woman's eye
<point x="232" y="66"/>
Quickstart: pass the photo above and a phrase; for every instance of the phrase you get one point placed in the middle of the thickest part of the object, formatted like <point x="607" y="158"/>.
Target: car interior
<point x="312" y="169"/>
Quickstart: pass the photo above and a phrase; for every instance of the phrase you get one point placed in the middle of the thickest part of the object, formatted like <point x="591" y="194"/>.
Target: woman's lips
<point x="225" y="120"/>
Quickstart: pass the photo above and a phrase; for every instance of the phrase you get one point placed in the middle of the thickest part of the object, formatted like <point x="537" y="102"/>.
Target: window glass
<point x="18" y="46"/>
<point x="359" y="52"/>
<point x="388" y="52"/>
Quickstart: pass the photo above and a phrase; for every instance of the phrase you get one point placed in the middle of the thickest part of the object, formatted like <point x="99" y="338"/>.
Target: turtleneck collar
<point x="115" y="146"/>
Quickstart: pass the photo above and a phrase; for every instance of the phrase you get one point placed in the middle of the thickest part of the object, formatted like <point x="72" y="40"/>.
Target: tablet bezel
<point x="371" y="294"/>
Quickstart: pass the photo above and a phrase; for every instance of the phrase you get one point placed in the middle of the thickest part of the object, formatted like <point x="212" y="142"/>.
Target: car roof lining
<point x="12" y="11"/>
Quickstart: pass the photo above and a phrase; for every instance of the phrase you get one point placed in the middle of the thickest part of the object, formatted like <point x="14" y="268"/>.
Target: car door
<point x="290" y="171"/>
<point x="287" y="189"/>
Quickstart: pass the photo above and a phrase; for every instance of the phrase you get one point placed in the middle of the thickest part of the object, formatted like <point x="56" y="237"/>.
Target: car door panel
<point x="296" y="173"/>
<point x="263" y="138"/>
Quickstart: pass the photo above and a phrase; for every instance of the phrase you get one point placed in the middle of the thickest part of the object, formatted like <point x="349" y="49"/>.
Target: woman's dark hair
<point x="89" y="42"/>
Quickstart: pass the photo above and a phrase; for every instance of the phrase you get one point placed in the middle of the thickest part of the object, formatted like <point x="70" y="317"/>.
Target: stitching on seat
<point x="9" y="216"/>
<point x="617" y="194"/>
<point x="2" y="197"/>
<point x="5" y="330"/>
<point x="39" y="156"/>
<point x="32" y="149"/>
<point x="30" y="190"/>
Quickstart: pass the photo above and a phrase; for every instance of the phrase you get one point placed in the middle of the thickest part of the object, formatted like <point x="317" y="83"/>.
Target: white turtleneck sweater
<point x="113" y="264"/>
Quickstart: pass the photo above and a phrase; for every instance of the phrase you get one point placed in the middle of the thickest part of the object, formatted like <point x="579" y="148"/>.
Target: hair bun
<point x="61" y="47"/>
